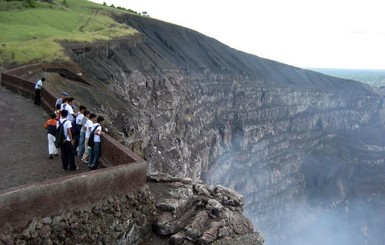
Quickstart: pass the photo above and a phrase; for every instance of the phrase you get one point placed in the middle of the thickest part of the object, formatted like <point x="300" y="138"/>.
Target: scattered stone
<point x="25" y="234"/>
<point x="45" y="232"/>
<point x="56" y="220"/>
<point x="20" y="242"/>
<point x="202" y="190"/>
<point x="46" y="220"/>
<point x="230" y="197"/>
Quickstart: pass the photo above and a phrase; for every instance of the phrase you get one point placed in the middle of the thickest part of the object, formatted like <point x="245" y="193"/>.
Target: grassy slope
<point x="33" y="34"/>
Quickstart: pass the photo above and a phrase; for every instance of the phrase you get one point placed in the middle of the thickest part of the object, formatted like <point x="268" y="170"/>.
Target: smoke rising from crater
<point x="333" y="194"/>
<point x="356" y="223"/>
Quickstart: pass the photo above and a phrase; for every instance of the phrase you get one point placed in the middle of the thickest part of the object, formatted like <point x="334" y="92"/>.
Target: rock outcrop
<point x="192" y="213"/>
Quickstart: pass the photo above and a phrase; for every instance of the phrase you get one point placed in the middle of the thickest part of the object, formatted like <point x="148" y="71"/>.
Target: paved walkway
<point x="23" y="144"/>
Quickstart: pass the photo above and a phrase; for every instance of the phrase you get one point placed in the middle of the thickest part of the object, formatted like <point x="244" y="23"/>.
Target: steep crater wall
<point x="290" y="140"/>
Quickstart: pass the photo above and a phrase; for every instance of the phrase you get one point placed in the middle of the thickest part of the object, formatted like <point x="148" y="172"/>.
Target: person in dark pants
<point x="95" y="151"/>
<point x="38" y="86"/>
<point x="67" y="150"/>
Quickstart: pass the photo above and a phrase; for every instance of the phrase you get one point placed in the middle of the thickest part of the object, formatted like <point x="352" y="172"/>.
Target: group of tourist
<point x="78" y="128"/>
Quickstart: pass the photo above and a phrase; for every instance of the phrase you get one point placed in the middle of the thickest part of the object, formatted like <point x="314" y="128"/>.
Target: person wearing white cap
<point x="60" y="100"/>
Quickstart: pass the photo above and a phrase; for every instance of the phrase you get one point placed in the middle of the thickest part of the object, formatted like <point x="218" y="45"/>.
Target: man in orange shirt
<point x="50" y="125"/>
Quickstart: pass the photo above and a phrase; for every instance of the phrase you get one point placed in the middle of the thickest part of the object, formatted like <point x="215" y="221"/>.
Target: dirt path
<point x="23" y="143"/>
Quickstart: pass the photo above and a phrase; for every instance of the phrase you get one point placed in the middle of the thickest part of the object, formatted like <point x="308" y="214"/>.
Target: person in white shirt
<point x="59" y="101"/>
<point x="76" y="127"/>
<point x="88" y="129"/>
<point x="95" y="152"/>
<point x="83" y="132"/>
<point x="67" y="152"/>
<point x="38" y="87"/>
<point x="67" y="105"/>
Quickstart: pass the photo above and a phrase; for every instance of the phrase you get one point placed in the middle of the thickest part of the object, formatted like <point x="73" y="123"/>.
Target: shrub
<point x="31" y="3"/>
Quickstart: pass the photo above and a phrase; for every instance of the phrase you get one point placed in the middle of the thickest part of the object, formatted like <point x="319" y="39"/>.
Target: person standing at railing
<point x="60" y="100"/>
<point x="67" y="151"/>
<point x="67" y="105"/>
<point x="95" y="151"/>
<point x="88" y="128"/>
<point x="83" y="132"/>
<point x="38" y="87"/>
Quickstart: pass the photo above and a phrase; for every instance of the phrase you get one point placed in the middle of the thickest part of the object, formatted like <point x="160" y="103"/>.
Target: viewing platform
<point x="31" y="184"/>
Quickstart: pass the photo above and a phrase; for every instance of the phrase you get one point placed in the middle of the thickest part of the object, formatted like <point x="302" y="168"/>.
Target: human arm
<point x="69" y="133"/>
<point x="99" y="130"/>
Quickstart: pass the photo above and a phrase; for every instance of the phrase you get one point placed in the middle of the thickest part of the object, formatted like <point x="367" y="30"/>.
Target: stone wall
<point x="21" y="204"/>
<point x="116" y="219"/>
<point x="27" y="89"/>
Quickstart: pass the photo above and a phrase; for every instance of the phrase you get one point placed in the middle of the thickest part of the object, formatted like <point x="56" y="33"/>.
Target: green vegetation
<point x="32" y="30"/>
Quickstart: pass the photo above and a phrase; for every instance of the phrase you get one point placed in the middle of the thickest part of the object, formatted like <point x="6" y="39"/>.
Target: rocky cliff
<point x="294" y="142"/>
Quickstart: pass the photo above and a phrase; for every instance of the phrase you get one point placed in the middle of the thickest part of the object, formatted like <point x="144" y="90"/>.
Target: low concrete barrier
<point x="21" y="204"/>
<point x="27" y="89"/>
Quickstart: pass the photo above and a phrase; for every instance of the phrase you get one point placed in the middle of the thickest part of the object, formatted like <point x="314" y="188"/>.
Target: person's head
<point x="64" y="114"/>
<point x="92" y="117"/>
<point x="43" y="79"/>
<point x="100" y="119"/>
<point x="70" y="100"/>
<point x="64" y="95"/>
<point x="52" y="115"/>
<point x="86" y="113"/>
<point x="65" y="100"/>
<point x="82" y="108"/>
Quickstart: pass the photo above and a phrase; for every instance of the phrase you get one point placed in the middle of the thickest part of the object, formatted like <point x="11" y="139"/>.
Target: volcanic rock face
<point x="195" y="213"/>
<point x="291" y="141"/>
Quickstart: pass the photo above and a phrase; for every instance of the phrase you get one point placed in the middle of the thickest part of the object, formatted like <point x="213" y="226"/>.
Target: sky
<point x="302" y="33"/>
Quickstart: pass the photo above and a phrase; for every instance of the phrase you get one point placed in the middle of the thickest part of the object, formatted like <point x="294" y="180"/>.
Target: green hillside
<point x="32" y="31"/>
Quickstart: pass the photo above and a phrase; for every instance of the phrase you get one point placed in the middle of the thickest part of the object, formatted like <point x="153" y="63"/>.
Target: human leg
<point x="64" y="154"/>
<point x="76" y="139"/>
<point x="91" y="154"/>
<point x="51" y="145"/>
<point x="71" y="158"/>
<point x="85" y="154"/>
<point x="37" y="97"/>
<point x="81" y="144"/>
<point x="96" y="153"/>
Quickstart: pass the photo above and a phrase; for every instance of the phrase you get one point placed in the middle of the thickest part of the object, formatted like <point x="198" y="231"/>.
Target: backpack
<point x="75" y="129"/>
<point x="91" y="142"/>
<point x="60" y="137"/>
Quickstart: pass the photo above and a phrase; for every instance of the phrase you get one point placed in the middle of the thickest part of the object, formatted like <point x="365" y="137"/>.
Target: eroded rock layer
<point x="290" y="140"/>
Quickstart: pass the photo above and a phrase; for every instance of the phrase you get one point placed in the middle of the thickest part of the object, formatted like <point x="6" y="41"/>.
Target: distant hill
<point x="372" y="77"/>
